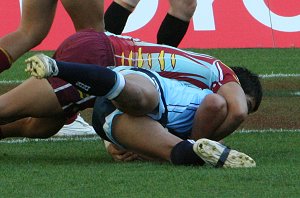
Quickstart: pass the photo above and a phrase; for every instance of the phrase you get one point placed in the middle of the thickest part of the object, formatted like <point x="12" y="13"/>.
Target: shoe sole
<point x="212" y="153"/>
<point x="37" y="67"/>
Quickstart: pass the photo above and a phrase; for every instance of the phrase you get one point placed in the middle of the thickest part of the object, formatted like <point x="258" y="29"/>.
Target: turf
<point x="78" y="168"/>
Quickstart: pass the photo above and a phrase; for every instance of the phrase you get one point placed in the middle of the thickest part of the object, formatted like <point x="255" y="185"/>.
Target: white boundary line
<point x="97" y="138"/>
<point x="267" y="130"/>
<point x="278" y="75"/>
<point x="11" y="81"/>
<point x="261" y="75"/>
<point x="52" y="139"/>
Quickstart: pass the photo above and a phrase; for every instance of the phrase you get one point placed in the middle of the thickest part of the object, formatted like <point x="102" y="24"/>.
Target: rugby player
<point x="177" y="18"/>
<point x="60" y="101"/>
<point x="137" y="92"/>
<point x="36" y="20"/>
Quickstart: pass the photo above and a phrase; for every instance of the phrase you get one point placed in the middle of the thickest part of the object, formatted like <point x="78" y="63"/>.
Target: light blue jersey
<point x="177" y="106"/>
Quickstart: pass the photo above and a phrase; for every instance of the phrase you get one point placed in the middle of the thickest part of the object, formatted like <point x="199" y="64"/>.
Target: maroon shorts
<point x="87" y="46"/>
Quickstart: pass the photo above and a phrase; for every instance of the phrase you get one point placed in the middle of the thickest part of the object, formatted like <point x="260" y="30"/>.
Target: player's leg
<point x="138" y="96"/>
<point x="37" y="17"/>
<point x="33" y="98"/>
<point x="85" y="14"/>
<point x="85" y="46"/>
<point x="145" y="136"/>
<point x="33" y="127"/>
<point x="117" y="14"/>
<point x="218" y="155"/>
<point x="177" y="18"/>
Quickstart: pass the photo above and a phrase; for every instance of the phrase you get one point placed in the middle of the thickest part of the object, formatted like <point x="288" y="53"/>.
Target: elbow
<point x="239" y="116"/>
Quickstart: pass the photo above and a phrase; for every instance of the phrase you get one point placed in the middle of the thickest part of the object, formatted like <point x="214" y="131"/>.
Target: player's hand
<point x="119" y="154"/>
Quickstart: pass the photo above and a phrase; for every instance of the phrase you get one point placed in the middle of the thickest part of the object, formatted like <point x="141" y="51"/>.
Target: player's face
<point x="250" y="104"/>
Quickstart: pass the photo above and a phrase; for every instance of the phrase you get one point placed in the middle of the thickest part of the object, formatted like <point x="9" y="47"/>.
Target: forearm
<point x="237" y="110"/>
<point x="230" y="124"/>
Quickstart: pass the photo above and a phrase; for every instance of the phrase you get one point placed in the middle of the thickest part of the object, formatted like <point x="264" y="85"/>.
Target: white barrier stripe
<point x="97" y="138"/>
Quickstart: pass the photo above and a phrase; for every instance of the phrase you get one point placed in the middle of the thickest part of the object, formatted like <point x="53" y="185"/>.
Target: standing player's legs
<point x="117" y="14"/>
<point x="177" y="18"/>
<point x="30" y="110"/>
<point x="85" y="13"/>
<point x="176" y="22"/>
<point x="37" y="17"/>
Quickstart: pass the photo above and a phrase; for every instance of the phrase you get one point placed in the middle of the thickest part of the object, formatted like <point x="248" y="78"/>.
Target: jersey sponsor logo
<point x="82" y="86"/>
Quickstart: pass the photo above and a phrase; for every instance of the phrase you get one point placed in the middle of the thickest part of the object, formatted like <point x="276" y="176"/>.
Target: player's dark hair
<point x="250" y="84"/>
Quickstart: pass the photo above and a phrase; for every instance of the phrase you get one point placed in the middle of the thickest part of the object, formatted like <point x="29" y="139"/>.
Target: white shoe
<point x="218" y="155"/>
<point x="77" y="128"/>
<point x="41" y="66"/>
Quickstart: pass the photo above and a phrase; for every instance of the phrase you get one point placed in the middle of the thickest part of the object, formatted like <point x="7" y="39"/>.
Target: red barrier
<point x="216" y="24"/>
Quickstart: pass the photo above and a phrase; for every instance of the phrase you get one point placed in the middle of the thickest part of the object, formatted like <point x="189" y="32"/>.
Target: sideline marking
<point x="97" y="138"/>
<point x="52" y="139"/>
<point x="11" y="81"/>
<point x="267" y="130"/>
<point x="296" y="93"/>
<point x="278" y="75"/>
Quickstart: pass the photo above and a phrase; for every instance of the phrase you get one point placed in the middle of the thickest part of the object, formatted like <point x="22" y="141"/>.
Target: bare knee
<point x="7" y="114"/>
<point x="128" y="4"/>
<point x="33" y="36"/>
<point x="41" y="128"/>
<point x="138" y="102"/>
<point x="183" y="9"/>
<point x="138" y="97"/>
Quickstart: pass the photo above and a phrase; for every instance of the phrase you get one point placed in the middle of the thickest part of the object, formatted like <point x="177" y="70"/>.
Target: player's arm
<point x="220" y="114"/>
<point x="237" y="109"/>
<point x="121" y="155"/>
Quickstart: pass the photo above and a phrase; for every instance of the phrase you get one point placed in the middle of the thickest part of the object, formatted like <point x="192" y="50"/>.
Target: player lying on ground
<point x="138" y="92"/>
<point x="201" y="70"/>
<point x="56" y="101"/>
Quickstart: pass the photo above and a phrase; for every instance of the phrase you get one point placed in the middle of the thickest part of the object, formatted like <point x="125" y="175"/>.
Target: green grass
<point x="16" y="72"/>
<point x="261" y="61"/>
<point x="76" y="168"/>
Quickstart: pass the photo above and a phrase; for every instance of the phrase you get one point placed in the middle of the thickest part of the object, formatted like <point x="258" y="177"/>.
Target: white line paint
<point x="296" y="93"/>
<point x="278" y="75"/>
<point x="53" y="139"/>
<point x="11" y="81"/>
<point x="267" y="130"/>
<point x="97" y="138"/>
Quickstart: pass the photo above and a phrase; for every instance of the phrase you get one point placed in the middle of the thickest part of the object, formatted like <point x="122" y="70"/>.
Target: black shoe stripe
<point x="223" y="158"/>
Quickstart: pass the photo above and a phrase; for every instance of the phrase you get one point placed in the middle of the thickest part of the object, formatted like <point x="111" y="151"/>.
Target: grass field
<point x="80" y="167"/>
